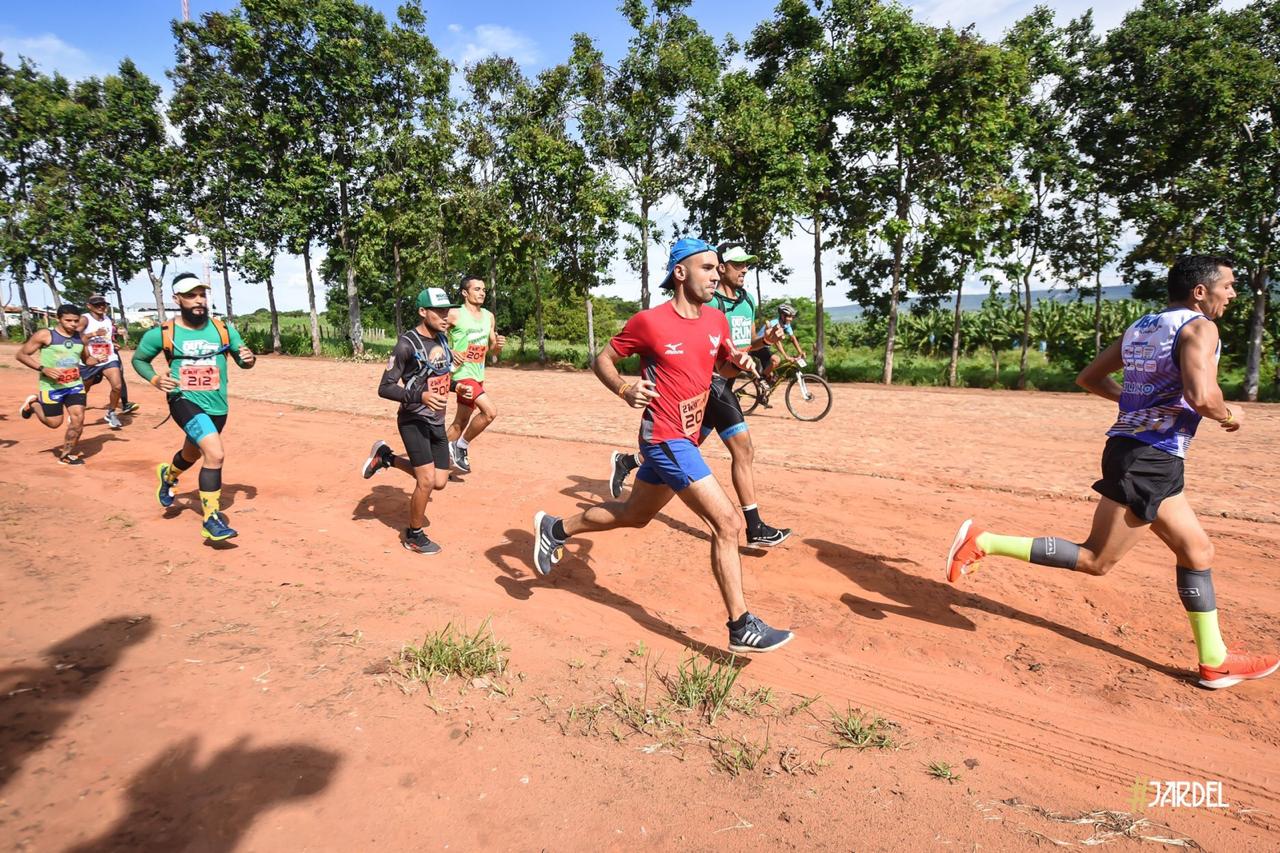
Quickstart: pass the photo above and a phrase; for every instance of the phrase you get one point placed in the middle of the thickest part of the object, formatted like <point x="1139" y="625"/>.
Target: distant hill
<point x="973" y="301"/>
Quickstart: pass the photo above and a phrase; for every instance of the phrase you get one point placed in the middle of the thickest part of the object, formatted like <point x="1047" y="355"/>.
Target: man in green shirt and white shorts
<point x="197" y="347"/>
<point x="471" y="337"/>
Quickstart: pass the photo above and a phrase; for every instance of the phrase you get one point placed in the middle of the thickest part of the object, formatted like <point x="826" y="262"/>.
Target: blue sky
<point x="82" y="38"/>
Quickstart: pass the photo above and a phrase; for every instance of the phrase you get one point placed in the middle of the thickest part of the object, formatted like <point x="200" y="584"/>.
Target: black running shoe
<point x="754" y="636"/>
<point x="25" y="411"/>
<point x="380" y="456"/>
<point x="546" y="548"/>
<point x="418" y="542"/>
<point x="618" y="476"/>
<point x="459" y="456"/>
<point x="767" y="536"/>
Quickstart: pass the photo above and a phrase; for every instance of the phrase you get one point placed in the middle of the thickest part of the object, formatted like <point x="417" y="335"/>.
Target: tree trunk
<point x="4" y="319"/>
<point x="591" y="328"/>
<point x="53" y="286"/>
<point x="353" y="293"/>
<point x="124" y="321"/>
<point x="902" y="211"/>
<point x="226" y="281"/>
<point x="644" y="256"/>
<point x="493" y="289"/>
<point x="1026" y="288"/>
<point x="275" y="318"/>
<point x="820" y="320"/>
<point x="1026" y="327"/>
<point x="28" y="326"/>
<point x="759" y="298"/>
<point x="311" y="298"/>
<point x="537" y="296"/>
<point x="1257" y="322"/>
<point x="952" y="372"/>
<point x="157" y="290"/>
<point x="399" y="279"/>
<point x="1097" y="311"/>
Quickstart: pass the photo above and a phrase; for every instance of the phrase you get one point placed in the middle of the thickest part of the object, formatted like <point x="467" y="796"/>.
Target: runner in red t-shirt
<point x="678" y="343"/>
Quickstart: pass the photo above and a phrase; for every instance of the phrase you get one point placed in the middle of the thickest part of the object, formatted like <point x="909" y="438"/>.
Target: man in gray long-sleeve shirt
<point x="417" y="377"/>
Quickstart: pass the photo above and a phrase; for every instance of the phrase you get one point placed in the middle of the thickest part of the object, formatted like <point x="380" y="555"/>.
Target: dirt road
<point x="158" y="693"/>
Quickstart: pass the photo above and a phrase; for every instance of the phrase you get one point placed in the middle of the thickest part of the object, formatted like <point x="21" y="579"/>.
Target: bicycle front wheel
<point x="809" y="397"/>
<point x="747" y="390"/>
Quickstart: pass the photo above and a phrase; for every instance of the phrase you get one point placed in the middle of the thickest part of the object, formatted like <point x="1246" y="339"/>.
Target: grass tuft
<point x="944" y="771"/>
<point x="860" y="730"/>
<point x="705" y="688"/>
<point x="452" y="651"/>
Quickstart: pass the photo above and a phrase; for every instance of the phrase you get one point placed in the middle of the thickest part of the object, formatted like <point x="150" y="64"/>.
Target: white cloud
<point x="455" y="28"/>
<point x="50" y="54"/>
<point x="492" y="40"/>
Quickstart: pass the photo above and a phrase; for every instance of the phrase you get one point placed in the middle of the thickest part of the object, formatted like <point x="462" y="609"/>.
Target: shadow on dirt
<point x="574" y="574"/>
<point x="588" y="493"/>
<point x="36" y="701"/>
<point x="940" y="603"/>
<point x="190" y="501"/>
<point x="176" y="804"/>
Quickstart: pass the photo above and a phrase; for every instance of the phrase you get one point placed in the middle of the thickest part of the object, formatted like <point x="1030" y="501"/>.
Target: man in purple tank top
<point x="1170" y="364"/>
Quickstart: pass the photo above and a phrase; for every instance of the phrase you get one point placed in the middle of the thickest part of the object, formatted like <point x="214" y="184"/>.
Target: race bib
<point x="438" y="384"/>
<point x="199" y="377"/>
<point x="71" y="374"/>
<point x="475" y="353"/>
<point x="691" y="413"/>
<point x="100" y="351"/>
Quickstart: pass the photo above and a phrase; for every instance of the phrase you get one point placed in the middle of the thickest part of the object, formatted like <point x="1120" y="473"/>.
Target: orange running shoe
<point x="965" y="554"/>
<point x="1239" y="666"/>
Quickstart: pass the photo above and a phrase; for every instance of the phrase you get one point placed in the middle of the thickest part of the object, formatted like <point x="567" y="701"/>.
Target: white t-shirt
<point x="99" y="338"/>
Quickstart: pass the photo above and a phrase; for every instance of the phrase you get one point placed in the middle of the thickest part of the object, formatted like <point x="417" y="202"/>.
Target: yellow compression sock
<point x="1209" y="645"/>
<point x="1018" y="547"/>
<point x="210" y="502"/>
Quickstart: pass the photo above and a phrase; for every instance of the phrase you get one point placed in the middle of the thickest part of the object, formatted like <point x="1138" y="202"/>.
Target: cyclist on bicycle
<point x="774" y="333"/>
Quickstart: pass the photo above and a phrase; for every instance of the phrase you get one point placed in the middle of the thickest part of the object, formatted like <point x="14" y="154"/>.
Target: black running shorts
<point x="426" y="443"/>
<point x="1139" y="476"/>
<point x="724" y="414"/>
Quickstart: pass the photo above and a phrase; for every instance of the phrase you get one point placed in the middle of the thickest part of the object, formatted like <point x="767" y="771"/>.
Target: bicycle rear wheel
<point x="808" y="397"/>
<point x="747" y="390"/>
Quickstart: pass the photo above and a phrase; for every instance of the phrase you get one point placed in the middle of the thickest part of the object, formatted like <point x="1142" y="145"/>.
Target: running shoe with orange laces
<point x="965" y="555"/>
<point x="1239" y="666"/>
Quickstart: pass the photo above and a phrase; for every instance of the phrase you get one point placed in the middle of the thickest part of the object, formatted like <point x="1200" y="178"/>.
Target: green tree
<point x="1186" y="132"/>
<point x="632" y="116"/>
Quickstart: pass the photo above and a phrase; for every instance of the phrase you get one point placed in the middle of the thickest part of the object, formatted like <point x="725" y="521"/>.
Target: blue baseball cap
<point x="684" y="247"/>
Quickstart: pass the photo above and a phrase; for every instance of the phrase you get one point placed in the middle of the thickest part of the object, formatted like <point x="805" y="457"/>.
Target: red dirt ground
<point x="161" y="694"/>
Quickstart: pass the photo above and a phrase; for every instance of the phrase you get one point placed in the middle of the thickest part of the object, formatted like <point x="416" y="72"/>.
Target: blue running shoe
<point x="753" y="635"/>
<point x="546" y="548"/>
<point x="164" y="491"/>
<point x="216" y="530"/>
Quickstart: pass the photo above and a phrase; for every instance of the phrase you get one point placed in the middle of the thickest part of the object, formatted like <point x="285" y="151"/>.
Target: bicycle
<point x="808" y="396"/>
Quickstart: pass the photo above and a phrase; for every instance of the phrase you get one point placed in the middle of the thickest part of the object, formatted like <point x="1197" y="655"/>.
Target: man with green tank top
<point x="56" y="354"/>
<point x="724" y="413"/>
<point x="471" y="337"/>
<point x="197" y="347"/>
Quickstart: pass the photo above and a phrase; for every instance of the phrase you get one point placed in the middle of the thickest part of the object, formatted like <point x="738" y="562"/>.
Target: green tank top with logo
<point x="741" y="313"/>
<point x="469" y="337"/>
<point x="64" y="356"/>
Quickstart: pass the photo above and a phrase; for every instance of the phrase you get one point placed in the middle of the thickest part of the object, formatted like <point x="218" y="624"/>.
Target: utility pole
<point x="186" y="11"/>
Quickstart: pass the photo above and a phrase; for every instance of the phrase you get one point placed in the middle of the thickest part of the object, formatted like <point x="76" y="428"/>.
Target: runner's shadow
<point x="7" y="442"/>
<point x="387" y="504"/>
<point x="574" y="574"/>
<point x="190" y="501"/>
<point x="36" y="701"/>
<point x="587" y="493"/>
<point x="177" y="804"/>
<point x="91" y="446"/>
<point x="937" y="602"/>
